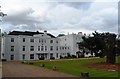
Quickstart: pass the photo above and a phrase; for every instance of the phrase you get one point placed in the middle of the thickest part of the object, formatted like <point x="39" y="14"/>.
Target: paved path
<point x="16" y="69"/>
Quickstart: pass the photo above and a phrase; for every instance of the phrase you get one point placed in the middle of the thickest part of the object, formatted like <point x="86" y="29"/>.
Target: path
<point x="16" y="69"/>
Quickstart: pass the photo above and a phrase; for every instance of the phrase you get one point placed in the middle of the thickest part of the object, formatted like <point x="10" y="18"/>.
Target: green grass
<point x="75" y="67"/>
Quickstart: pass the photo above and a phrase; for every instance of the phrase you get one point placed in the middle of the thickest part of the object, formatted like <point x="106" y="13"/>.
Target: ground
<point x="77" y="66"/>
<point x="0" y="70"/>
<point x="104" y="66"/>
<point x="16" y="69"/>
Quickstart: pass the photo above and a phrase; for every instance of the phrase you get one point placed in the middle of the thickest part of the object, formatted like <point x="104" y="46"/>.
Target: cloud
<point x="23" y="20"/>
<point x="78" y="5"/>
<point x="61" y="17"/>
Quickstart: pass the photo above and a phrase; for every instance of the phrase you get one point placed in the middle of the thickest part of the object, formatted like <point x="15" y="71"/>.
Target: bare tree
<point x="2" y="14"/>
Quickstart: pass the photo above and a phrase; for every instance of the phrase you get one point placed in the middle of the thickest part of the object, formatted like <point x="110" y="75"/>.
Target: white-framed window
<point x="38" y="48"/>
<point x="23" y="49"/>
<point x="51" y="48"/>
<point x="42" y="41"/>
<point x="12" y="48"/>
<point x="11" y="57"/>
<point x="31" y="56"/>
<point x="57" y="55"/>
<point x="12" y="39"/>
<point x="51" y="41"/>
<point x="31" y="48"/>
<point x="45" y="48"/>
<point x="56" y="41"/>
<point x="42" y="48"/>
<point x="45" y="40"/>
<point x="23" y="56"/>
<point x="31" y="40"/>
<point x="51" y="55"/>
<point x="23" y="39"/>
<point x="39" y="40"/>
<point x="57" y="48"/>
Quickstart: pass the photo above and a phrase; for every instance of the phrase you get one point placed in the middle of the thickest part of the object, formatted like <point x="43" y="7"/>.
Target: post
<point x="85" y="75"/>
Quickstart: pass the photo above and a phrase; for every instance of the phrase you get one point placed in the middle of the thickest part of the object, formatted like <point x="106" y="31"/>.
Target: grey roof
<point x="29" y="33"/>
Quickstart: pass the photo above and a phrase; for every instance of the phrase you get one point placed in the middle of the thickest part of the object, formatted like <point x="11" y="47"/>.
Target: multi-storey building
<point x="18" y="45"/>
<point x="32" y="46"/>
<point x="71" y="40"/>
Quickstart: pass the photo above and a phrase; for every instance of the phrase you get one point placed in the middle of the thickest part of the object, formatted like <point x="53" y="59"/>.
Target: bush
<point x="74" y="56"/>
<point x="61" y="57"/>
<point x="31" y="63"/>
<point x="52" y="58"/>
<point x="4" y="59"/>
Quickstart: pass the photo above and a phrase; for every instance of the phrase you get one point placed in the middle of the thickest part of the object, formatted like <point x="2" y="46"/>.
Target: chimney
<point x="45" y="31"/>
<point x="79" y="33"/>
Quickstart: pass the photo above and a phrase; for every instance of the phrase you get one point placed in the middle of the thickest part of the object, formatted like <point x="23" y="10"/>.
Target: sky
<point x="60" y="16"/>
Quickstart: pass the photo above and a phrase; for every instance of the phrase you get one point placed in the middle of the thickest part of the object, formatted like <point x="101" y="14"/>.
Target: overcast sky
<point x="60" y="16"/>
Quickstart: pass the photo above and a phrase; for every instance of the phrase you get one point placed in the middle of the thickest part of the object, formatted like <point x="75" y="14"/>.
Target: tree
<point x="61" y="35"/>
<point x="102" y="41"/>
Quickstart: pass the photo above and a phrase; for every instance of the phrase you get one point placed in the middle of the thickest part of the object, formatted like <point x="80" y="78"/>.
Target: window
<point x="45" y="48"/>
<point x="51" y="55"/>
<point x="39" y="40"/>
<point x="57" y="48"/>
<point x="42" y="40"/>
<point x="23" y="48"/>
<point x="31" y="40"/>
<point x="45" y="41"/>
<point x="38" y="48"/>
<point x="51" y="48"/>
<point x="12" y="48"/>
<point x="65" y="39"/>
<point x="65" y="47"/>
<point x="42" y="48"/>
<point x="12" y="39"/>
<point x="31" y="56"/>
<point x="68" y="47"/>
<point x="23" y="39"/>
<point x="51" y="41"/>
<point x="60" y="48"/>
<point x="11" y="57"/>
<point x="57" y="55"/>
<point x="31" y="48"/>
<point x="56" y="41"/>
<point x="23" y="56"/>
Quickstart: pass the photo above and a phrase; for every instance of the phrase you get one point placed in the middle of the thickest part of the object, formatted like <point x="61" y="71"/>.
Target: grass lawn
<point x="75" y="67"/>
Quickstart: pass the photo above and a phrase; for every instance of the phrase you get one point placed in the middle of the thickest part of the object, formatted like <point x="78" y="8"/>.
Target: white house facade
<point x="18" y="45"/>
<point x="71" y="40"/>
<point x="32" y="46"/>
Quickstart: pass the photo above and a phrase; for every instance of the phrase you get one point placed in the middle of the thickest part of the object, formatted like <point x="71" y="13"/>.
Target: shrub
<point x="52" y="58"/>
<point x="61" y="57"/>
<point x="74" y="56"/>
<point x="31" y="63"/>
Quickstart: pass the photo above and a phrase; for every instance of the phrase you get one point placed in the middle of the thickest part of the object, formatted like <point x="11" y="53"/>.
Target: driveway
<point x="16" y="69"/>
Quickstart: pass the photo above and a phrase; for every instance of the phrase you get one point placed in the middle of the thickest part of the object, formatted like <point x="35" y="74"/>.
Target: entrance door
<point x="44" y="56"/>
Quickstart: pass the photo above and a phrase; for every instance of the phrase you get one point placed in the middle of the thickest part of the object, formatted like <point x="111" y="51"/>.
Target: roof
<point x="29" y="33"/>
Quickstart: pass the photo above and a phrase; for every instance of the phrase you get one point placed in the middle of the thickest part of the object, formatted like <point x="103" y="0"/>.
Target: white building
<point x="27" y="45"/>
<point x="71" y="41"/>
<point x="32" y="46"/>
